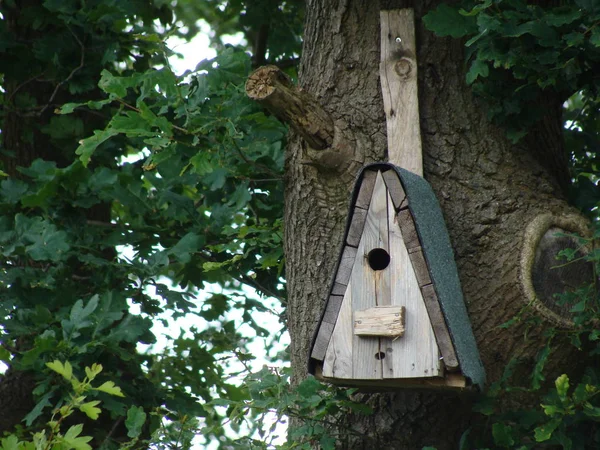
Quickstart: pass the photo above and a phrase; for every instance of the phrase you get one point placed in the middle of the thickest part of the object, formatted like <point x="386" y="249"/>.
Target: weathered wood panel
<point x="438" y="323"/>
<point x="408" y="229"/>
<point x="338" y="357"/>
<point x="395" y="188"/>
<point x="383" y="321"/>
<point x="359" y="216"/>
<point x="333" y="307"/>
<point x="398" y="74"/>
<point x="322" y="341"/>
<point x="338" y="289"/>
<point x="420" y="267"/>
<point x="366" y="189"/>
<point x="370" y="287"/>
<point x="416" y="354"/>
<point x="345" y="268"/>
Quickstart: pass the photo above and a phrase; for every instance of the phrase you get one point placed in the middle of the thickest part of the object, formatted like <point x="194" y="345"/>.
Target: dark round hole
<point x="378" y="258"/>
<point x="379" y="355"/>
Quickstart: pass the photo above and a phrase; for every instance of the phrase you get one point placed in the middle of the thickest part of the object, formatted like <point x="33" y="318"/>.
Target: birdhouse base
<point x="449" y="382"/>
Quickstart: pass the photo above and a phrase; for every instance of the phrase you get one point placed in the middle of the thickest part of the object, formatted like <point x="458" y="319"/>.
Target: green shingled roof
<point x="442" y="268"/>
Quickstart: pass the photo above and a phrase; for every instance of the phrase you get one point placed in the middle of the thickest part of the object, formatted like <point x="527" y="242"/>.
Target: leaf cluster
<point x="567" y="413"/>
<point x="519" y="52"/>
<point x="144" y="188"/>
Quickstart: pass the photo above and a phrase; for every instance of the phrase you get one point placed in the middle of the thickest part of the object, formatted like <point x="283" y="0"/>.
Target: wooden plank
<point x="333" y="307"/>
<point x="416" y="249"/>
<point x="395" y="188"/>
<point x="338" y="289"/>
<point x="416" y="354"/>
<point x="370" y="287"/>
<point x="345" y="268"/>
<point x="442" y="336"/>
<point x="359" y="216"/>
<point x="408" y="229"/>
<point x="420" y="266"/>
<point x="398" y="74"/>
<point x="384" y="321"/>
<point x="449" y="382"/>
<point x="322" y="341"/>
<point x="338" y="357"/>
<point x="366" y="189"/>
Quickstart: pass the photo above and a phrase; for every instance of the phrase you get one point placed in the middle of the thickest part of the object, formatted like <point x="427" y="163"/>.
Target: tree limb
<point x="273" y="89"/>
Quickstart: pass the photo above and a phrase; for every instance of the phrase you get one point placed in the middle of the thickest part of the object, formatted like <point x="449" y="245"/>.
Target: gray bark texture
<point x="489" y="190"/>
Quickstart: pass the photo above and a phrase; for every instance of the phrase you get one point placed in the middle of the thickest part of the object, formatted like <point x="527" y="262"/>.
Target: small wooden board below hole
<point x="383" y="321"/>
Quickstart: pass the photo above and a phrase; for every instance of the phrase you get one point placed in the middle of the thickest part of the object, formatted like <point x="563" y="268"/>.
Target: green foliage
<point x="144" y="197"/>
<point x="519" y="53"/>
<point x="566" y="413"/>
<point x="149" y="197"/>
<point x="271" y="401"/>
<point x="52" y="437"/>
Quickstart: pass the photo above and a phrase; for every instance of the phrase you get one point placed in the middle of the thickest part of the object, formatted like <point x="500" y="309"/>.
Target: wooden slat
<point x="370" y="287"/>
<point x="338" y="357"/>
<point x="322" y="341"/>
<point x="384" y="321"/>
<point x="359" y="216"/>
<point x="345" y="268"/>
<point x="366" y="189"/>
<point x="415" y="354"/>
<point x="395" y="188"/>
<point x="398" y="74"/>
<point x="408" y="229"/>
<point x="449" y="382"/>
<point x="333" y="307"/>
<point x="338" y="289"/>
<point x="439" y="327"/>
<point x="420" y="267"/>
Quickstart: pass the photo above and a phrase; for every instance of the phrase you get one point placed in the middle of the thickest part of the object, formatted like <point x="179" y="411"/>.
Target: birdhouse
<point x="394" y="314"/>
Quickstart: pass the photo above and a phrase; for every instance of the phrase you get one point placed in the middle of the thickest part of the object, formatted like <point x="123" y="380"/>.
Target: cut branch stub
<point x="274" y="90"/>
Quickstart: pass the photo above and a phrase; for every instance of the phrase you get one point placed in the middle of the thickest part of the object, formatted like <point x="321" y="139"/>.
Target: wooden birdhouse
<point x="394" y="314"/>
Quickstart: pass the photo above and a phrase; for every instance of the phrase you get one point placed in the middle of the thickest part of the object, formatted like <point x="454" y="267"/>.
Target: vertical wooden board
<point x="359" y="216"/>
<point x="420" y="267"/>
<point x="408" y="229"/>
<point x="398" y="74"/>
<point x="395" y="188"/>
<point x="345" y="267"/>
<point x="370" y="287"/>
<point x="338" y="289"/>
<point x="442" y="336"/>
<point x="322" y="341"/>
<point x="416" y="353"/>
<point x="366" y="189"/>
<point x="333" y="307"/>
<point x="338" y="357"/>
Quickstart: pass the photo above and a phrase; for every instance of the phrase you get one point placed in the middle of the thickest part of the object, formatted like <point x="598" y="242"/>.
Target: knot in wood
<point x="403" y="68"/>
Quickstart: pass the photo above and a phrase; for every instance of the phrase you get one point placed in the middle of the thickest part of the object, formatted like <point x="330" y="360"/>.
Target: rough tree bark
<point x="491" y="193"/>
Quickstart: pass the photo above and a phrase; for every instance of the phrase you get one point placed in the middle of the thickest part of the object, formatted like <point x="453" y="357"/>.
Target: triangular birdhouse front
<point x="394" y="314"/>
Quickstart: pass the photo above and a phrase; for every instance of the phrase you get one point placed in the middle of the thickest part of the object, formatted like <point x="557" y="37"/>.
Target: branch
<point x="274" y="90"/>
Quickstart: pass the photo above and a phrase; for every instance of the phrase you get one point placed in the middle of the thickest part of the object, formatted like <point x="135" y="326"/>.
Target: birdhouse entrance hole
<point x="378" y="259"/>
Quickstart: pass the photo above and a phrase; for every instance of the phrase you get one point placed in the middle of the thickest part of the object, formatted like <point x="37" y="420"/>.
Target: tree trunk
<point x="490" y="192"/>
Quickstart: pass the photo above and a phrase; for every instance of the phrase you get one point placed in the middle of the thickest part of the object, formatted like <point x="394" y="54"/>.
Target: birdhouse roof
<point x="438" y="254"/>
